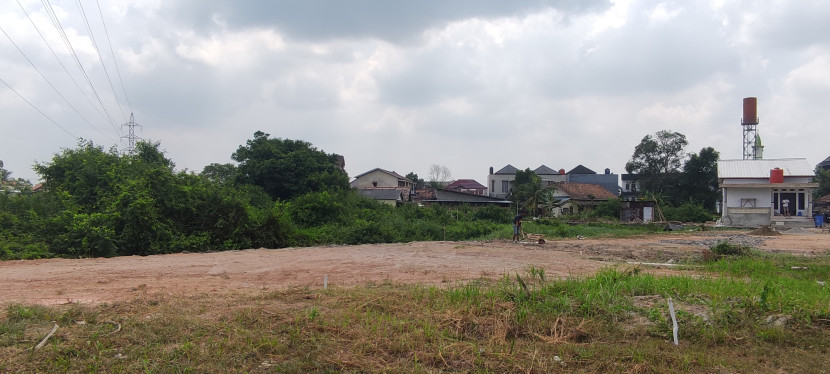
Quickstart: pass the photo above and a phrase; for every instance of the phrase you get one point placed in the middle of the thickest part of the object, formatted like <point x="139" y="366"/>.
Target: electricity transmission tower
<point x="131" y="138"/>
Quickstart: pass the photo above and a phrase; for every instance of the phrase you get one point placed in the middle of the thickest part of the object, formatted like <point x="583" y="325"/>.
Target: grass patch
<point x="747" y="314"/>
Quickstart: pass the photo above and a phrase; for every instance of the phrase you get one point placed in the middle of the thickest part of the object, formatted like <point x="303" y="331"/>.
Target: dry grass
<point x="485" y="326"/>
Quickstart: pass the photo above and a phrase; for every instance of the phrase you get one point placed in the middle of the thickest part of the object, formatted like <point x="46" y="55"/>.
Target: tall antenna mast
<point x="131" y="138"/>
<point x="753" y="150"/>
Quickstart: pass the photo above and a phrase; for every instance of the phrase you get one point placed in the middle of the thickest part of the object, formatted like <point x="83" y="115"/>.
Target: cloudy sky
<point x="466" y="84"/>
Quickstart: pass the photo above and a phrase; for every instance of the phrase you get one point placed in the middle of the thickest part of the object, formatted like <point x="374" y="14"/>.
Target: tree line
<point x="280" y="193"/>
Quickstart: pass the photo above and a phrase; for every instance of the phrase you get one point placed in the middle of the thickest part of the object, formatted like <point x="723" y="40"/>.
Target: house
<point x="550" y="176"/>
<point x="764" y="192"/>
<point x="608" y="181"/>
<point x="467" y="186"/>
<point x="824" y="165"/>
<point x="501" y="182"/>
<point x="379" y="179"/>
<point x="630" y="187"/>
<point x="579" y="197"/>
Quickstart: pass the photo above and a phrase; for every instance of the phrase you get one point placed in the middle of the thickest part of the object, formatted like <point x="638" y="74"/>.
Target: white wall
<point x="762" y="196"/>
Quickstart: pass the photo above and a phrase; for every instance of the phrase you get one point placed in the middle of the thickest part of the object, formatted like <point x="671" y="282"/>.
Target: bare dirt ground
<point x="93" y="281"/>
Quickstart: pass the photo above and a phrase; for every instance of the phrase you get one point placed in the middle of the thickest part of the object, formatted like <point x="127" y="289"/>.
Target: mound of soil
<point x="764" y="231"/>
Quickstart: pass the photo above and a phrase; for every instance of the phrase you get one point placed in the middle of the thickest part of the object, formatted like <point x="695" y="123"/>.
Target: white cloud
<point x="405" y="85"/>
<point x="229" y="51"/>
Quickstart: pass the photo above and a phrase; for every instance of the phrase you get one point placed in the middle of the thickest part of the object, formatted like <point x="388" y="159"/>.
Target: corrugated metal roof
<point x="793" y="167"/>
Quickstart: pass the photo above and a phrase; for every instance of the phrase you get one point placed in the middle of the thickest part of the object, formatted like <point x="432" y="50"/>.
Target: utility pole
<point x="131" y="138"/>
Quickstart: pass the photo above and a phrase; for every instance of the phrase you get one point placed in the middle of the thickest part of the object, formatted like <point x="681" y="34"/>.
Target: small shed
<point x="637" y="211"/>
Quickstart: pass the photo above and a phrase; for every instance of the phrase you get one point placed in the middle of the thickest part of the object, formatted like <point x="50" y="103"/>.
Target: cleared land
<point x="94" y="281"/>
<point x="428" y="307"/>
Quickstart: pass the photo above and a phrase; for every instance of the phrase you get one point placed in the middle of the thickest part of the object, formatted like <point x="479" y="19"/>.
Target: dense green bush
<point x="687" y="212"/>
<point x="608" y="209"/>
<point x="102" y="203"/>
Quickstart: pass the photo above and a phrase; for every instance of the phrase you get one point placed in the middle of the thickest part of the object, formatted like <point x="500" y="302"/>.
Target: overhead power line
<point x="78" y="86"/>
<point x="56" y="22"/>
<point x="48" y="81"/>
<point x="100" y="57"/>
<point x="114" y="59"/>
<point x="38" y="110"/>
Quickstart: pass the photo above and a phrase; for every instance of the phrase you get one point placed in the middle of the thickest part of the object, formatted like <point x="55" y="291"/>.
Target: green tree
<point x="220" y="173"/>
<point x="419" y="183"/>
<point x="548" y="201"/>
<point x="657" y="161"/>
<point x="4" y="174"/>
<point x="823" y="179"/>
<point x="699" y="182"/>
<point x="529" y="193"/>
<point x="288" y="168"/>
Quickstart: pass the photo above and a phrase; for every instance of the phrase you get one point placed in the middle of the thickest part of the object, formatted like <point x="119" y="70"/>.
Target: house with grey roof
<point x="501" y="182"/>
<point x="762" y="192"/>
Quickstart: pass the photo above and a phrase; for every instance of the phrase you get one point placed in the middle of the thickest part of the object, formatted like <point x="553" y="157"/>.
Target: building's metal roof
<point x="445" y="195"/>
<point x="793" y="167"/>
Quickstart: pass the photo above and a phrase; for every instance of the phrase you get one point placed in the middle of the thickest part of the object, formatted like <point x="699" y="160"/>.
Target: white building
<point x="755" y="192"/>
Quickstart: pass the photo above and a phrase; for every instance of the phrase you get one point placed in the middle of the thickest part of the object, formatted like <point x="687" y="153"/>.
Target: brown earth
<point x="98" y="280"/>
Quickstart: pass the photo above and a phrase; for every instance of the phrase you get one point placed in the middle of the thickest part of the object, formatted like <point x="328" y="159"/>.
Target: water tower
<point x="753" y="150"/>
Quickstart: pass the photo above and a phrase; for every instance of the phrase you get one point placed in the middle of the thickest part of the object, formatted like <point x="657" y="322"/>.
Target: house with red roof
<point x="469" y="186"/>
<point x="575" y="198"/>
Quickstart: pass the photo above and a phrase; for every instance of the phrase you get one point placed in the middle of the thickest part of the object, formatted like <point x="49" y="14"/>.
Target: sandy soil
<point x="60" y="281"/>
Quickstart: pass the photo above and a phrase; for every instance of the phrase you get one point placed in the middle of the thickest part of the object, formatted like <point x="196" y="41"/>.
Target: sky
<point x="466" y="84"/>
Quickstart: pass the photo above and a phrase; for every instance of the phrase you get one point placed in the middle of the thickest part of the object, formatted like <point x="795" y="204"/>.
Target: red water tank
<point x="776" y="175"/>
<point x="750" y="110"/>
<point x="561" y="171"/>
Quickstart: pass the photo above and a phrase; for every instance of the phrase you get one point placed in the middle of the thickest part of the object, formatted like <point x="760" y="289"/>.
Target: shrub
<point x="726" y="248"/>
<point x="493" y="214"/>
<point x="688" y="212"/>
<point x="608" y="209"/>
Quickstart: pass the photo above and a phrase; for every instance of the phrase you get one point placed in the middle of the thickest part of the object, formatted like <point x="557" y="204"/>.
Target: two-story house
<point x="383" y="185"/>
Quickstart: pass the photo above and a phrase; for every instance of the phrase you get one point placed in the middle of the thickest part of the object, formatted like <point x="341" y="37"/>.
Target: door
<point x="648" y="214"/>
<point x="788" y="204"/>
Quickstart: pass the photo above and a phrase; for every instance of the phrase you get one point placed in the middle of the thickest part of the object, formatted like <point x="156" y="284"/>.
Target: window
<point x="504" y="186"/>
<point x="748" y="203"/>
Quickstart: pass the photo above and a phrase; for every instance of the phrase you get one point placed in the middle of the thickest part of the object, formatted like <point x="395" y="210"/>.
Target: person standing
<point x="785" y="204"/>
<point x="517" y="227"/>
